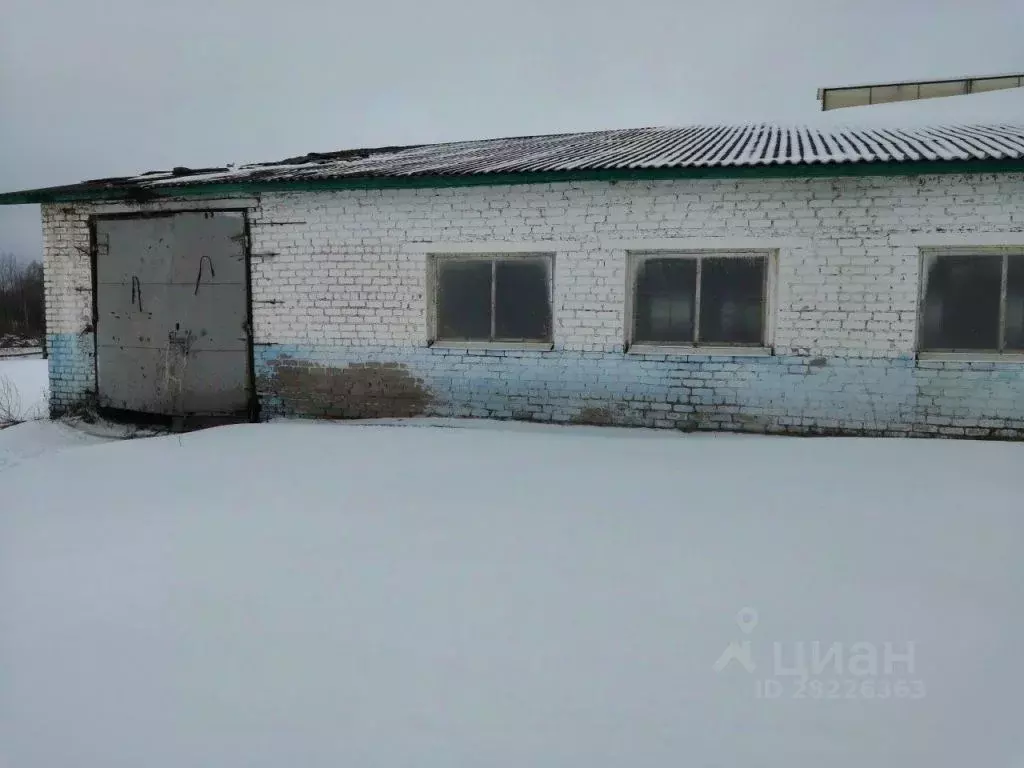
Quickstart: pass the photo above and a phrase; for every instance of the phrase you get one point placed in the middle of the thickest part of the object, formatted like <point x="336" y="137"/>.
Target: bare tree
<point x="21" y="299"/>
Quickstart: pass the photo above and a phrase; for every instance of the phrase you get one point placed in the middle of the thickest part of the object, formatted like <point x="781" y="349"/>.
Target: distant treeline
<point x="21" y="298"/>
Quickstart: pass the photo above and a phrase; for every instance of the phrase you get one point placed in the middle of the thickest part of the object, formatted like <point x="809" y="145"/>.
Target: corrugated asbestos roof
<point x="639" y="150"/>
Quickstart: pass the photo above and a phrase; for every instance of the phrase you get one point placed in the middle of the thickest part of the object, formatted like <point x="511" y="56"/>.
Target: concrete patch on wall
<point x="354" y="391"/>
<point x="608" y="415"/>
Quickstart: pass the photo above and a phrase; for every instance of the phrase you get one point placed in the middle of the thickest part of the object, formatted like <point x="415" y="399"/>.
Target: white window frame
<point x="979" y="355"/>
<point x="764" y="348"/>
<point x="434" y="259"/>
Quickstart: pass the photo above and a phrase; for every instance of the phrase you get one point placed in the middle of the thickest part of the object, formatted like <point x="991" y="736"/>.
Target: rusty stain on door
<point x="172" y="336"/>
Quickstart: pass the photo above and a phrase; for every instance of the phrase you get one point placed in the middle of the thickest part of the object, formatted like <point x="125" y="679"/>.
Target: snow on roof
<point x="750" y="146"/>
<point x="695" y="146"/>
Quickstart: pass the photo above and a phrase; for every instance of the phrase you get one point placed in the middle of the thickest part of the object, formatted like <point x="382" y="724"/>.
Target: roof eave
<point x="141" y="195"/>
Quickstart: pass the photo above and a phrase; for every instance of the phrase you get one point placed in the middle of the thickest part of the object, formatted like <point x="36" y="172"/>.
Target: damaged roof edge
<point x="144" y="194"/>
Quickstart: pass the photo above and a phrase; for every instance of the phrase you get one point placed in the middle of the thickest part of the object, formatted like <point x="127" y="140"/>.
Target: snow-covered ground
<point x="36" y="438"/>
<point x="13" y="352"/>
<point x="311" y="594"/>
<point x="23" y="389"/>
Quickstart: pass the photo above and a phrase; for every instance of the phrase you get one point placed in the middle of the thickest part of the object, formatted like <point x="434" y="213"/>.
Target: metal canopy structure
<point x="913" y="90"/>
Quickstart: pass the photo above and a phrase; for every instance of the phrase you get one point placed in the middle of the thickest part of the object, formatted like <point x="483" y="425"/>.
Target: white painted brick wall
<point x="67" y="268"/>
<point x="846" y="286"/>
<point x="348" y="267"/>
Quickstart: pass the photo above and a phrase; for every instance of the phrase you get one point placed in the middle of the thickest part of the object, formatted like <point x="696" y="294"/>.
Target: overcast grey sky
<point x="102" y="88"/>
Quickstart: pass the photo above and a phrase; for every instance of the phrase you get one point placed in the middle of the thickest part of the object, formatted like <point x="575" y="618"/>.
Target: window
<point x="701" y="299"/>
<point x="973" y="302"/>
<point x="493" y="298"/>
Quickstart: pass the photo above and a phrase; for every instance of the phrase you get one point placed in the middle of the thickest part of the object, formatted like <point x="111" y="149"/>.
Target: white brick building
<point x="780" y="281"/>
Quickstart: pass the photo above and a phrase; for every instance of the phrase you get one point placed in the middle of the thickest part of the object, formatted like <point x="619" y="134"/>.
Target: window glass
<point x="522" y="306"/>
<point x="732" y="300"/>
<point x="961" y="304"/>
<point x="665" y="301"/>
<point x="1015" y="304"/>
<point x="464" y="300"/>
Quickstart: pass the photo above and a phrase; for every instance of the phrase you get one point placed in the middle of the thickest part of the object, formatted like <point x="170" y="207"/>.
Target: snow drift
<point x="321" y="595"/>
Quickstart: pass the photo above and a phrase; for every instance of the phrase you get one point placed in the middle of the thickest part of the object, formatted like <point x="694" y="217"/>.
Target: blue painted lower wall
<point x="801" y="395"/>
<point x="72" y="360"/>
<point x="895" y="396"/>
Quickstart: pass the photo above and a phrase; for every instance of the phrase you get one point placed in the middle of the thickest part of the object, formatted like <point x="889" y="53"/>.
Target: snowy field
<point x="312" y="594"/>
<point x="23" y="389"/>
<point x="15" y="352"/>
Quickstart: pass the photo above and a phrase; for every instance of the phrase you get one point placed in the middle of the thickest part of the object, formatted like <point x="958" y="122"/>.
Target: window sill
<point x="681" y="351"/>
<point x="510" y="345"/>
<point x="973" y="357"/>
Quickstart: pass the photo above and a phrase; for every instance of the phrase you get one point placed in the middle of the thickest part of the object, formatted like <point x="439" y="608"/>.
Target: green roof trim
<point x="140" y="194"/>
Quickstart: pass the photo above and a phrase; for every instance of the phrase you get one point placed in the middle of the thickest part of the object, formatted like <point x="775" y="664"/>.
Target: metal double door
<point x="172" y="334"/>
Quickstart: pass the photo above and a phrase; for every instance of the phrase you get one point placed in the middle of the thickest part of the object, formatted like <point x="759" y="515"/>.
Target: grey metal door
<point x="172" y="310"/>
